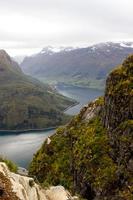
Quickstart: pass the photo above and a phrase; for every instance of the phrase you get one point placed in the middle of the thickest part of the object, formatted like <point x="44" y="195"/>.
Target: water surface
<point x="21" y="147"/>
<point x="82" y="95"/>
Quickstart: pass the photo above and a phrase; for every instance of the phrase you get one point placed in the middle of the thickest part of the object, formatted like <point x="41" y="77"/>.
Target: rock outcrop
<point x="16" y="187"/>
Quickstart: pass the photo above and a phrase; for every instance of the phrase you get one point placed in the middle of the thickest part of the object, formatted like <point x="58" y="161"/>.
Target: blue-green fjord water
<point x="80" y="94"/>
<point x="21" y="147"/>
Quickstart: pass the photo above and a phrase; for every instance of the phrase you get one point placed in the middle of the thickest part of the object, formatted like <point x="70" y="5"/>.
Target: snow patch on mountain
<point x="51" y="50"/>
<point x="127" y="45"/>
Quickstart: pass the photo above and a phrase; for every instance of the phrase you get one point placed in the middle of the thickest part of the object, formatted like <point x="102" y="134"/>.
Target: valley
<point x="84" y="67"/>
<point x="66" y="100"/>
<point x="91" y="156"/>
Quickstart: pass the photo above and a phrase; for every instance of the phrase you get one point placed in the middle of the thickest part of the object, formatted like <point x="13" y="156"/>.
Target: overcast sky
<point x="26" y="26"/>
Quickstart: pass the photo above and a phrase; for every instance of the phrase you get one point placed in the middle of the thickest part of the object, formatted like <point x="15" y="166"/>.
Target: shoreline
<point x="11" y="131"/>
<point x="27" y="130"/>
<point x="6" y="131"/>
<point x="78" y="86"/>
<point x="75" y="104"/>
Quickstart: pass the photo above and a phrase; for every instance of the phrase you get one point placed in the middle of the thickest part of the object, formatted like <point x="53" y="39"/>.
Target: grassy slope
<point x="25" y="102"/>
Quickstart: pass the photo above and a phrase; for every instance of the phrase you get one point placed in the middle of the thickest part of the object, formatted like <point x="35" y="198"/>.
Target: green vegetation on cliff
<point x="11" y="165"/>
<point x="79" y="150"/>
<point x="26" y="103"/>
<point x="93" y="154"/>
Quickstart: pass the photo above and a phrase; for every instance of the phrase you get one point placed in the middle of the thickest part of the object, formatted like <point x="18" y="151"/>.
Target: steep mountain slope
<point x="93" y="154"/>
<point x="25" y="102"/>
<point x="82" y="66"/>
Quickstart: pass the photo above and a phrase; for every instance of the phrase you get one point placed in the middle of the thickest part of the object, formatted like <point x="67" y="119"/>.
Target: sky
<point x="26" y="26"/>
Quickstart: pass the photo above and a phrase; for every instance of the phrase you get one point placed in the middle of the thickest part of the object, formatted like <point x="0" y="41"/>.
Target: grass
<point x="11" y="165"/>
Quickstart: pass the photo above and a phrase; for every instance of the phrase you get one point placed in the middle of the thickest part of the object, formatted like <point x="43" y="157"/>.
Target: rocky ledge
<point x="16" y="187"/>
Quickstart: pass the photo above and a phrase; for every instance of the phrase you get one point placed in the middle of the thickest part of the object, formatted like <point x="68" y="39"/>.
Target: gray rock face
<point x="24" y="188"/>
<point x="91" y="111"/>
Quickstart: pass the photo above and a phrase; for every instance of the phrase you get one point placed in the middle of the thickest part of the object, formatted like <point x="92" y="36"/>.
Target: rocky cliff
<point x="16" y="187"/>
<point x="93" y="154"/>
<point x="119" y="95"/>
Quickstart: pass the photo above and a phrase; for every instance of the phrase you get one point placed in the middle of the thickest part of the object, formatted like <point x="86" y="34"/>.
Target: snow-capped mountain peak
<point x="51" y="50"/>
<point x="109" y="45"/>
<point x="126" y="44"/>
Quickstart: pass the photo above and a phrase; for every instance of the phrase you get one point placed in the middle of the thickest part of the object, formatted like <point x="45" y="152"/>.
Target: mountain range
<point x="26" y="103"/>
<point x="86" y="67"/>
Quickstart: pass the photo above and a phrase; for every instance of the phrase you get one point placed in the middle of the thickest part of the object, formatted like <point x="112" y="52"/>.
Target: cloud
<point x="36" y="23"/>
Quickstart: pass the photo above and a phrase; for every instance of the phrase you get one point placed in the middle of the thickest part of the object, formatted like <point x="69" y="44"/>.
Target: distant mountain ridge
<point x="26" y="103"/>
<point x="86" y="66"/>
